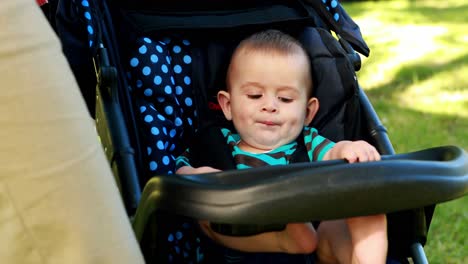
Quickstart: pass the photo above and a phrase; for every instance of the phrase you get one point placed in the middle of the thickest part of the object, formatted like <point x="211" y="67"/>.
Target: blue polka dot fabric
<point x="85" y="8"/>
<point x="331" y="6"/>
<point x="181" y="246"/>
<point x="160" y="74"/>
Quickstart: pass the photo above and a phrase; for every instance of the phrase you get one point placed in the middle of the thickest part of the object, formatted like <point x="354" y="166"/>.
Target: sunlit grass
<point x="417" y="79"/>
<point x="419" y="62"/>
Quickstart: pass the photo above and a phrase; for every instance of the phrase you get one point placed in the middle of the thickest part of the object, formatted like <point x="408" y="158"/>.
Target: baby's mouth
<point x="268" y="123"/>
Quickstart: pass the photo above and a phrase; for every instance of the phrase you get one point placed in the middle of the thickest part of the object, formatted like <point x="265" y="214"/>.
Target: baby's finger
<point x="369" y="152"/>
<point x="363" y="154"/>
<point x="372" y="153"/>
<point x="376" y="154"/>
<point x="351" y="157"/>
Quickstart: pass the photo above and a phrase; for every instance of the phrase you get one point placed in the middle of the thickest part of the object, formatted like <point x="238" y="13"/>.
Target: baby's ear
<point x="224" y="100"/>
<point x="312" y="109"/>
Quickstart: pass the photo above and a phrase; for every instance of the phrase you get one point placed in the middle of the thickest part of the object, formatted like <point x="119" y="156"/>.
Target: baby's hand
<point x="353" y="151"/>
<point x="192" y="170"/>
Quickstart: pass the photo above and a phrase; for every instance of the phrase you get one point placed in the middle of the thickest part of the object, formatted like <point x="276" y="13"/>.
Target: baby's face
<point x="268" y="98"/>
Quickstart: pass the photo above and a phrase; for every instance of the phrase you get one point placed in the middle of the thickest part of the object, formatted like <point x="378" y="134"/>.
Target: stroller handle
<point x="304" y="192"/>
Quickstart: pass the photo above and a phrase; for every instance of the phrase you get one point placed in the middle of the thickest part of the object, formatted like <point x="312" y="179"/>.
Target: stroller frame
<point x="121" y="145"/>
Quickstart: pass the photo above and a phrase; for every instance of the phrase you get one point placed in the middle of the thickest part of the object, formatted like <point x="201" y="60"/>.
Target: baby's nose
<point x="270" y="106"/>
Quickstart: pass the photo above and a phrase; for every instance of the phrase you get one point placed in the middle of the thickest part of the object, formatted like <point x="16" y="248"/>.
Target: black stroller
<point x="99" y="38"/>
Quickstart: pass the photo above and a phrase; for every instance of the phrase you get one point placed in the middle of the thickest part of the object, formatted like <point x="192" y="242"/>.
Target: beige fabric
<point x="58" y="200"/>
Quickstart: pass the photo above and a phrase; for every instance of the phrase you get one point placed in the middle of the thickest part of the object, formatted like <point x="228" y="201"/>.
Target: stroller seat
<point x="158" y="68"/>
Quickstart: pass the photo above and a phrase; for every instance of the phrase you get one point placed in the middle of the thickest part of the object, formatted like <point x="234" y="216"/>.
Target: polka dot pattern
<point x="84" y="7"/>
<point x="332" y="7"/>
<point x="160" y="73"/>
<point x="180" y="246"/>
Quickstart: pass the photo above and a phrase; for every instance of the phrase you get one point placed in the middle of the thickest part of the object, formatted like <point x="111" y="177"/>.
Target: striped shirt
<point x="316" y="146"/>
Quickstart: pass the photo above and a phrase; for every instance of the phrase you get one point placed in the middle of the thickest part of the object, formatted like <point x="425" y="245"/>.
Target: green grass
<point x="417" y="79"/>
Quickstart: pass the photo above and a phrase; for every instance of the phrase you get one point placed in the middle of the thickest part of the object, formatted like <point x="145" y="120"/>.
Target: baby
<point x="269" y="100"/>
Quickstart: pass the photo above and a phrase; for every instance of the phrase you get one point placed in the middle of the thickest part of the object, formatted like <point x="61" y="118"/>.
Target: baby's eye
<point x="254" y="96"/>
<point x="285" y="99"/>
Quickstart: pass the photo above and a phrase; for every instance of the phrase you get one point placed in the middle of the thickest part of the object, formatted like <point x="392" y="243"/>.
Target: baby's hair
<point x="273" y="40"/>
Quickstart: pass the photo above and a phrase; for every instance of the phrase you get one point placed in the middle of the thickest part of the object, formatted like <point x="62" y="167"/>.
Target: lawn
<point x="417" y="79"/>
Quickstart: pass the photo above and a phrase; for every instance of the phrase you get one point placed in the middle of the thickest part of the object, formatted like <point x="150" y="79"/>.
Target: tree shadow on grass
<point x="419" y="71"/>
<point x="411" y="130"/>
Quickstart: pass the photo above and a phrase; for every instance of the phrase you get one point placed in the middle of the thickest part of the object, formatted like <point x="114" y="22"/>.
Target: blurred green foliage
<point x="417" y="79"/>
